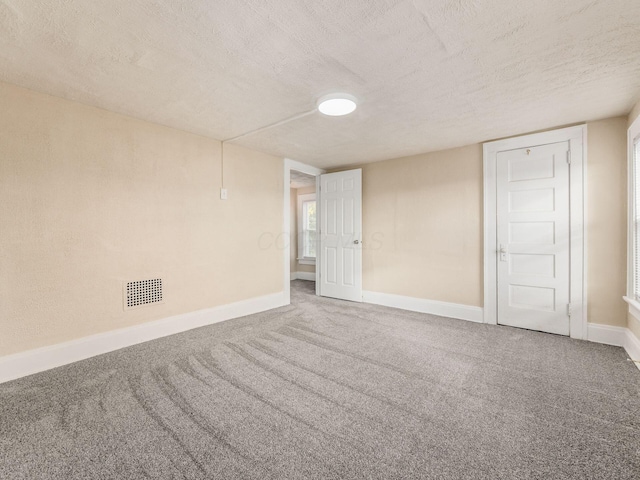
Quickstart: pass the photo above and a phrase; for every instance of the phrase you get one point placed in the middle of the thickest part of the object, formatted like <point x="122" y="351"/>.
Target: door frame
<point x="286" y="227"/>
<point x="577" y="137"/>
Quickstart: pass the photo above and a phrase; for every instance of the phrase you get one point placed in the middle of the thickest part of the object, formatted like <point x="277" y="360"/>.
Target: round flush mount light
<point x="337" y="104"/>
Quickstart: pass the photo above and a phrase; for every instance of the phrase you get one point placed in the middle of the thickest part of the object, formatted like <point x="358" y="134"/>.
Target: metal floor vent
<point x="143" y="292"/>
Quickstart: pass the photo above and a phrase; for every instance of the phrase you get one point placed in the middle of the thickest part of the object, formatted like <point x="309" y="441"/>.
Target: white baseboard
<point x="632" y="346"/>
<point x="310" y="276"/>
<point x="46" y="358"/>
<point x="434" y="307"/>
<point x="617" y="336"/>
<point x="606" y="334"/>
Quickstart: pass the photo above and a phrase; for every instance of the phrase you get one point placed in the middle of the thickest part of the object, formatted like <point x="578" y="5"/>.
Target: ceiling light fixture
<point x="337" y="104"/>
<point x="334" y="105"/>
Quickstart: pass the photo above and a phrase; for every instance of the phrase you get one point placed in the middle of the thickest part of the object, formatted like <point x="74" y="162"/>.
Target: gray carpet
<point x="332" y="390"/>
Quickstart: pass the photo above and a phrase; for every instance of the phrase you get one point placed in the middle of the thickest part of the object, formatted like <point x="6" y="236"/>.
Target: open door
<point x="341" y="235"/>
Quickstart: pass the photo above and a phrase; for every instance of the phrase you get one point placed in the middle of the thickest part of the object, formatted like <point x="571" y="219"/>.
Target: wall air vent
<point x="142" y="292"/>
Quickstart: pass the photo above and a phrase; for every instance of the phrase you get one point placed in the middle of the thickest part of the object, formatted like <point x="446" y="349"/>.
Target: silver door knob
<point x="356" y="242"/>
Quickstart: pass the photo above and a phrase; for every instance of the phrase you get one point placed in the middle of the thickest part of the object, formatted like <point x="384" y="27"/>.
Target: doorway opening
<point x="301" y="249"/>
<point x="304" y="226"/>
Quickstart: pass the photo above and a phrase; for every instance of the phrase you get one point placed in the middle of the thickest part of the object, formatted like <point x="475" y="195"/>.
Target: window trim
<point x="302" y="260"/>
<point x="633" y="135"/>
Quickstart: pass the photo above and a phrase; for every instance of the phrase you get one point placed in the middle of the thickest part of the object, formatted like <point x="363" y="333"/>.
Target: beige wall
<point x="633" y="324"/>
<point x="295" y="265"/>
<point x="306" y="268"/>
<point x="635" y="113"/>
<point x="90" y="199"/>
<point x="422" y="222"/>
<point x="607" y="221"/>
<point x="422" y="226"/>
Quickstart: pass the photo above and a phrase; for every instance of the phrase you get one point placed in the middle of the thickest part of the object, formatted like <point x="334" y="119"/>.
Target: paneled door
<point x="341" y="235"/>
<point x="533" y="251"/>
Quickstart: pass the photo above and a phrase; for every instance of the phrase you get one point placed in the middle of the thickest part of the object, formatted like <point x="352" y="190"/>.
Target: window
<point x="634" y="211"/>
<point x="307" y="228"/>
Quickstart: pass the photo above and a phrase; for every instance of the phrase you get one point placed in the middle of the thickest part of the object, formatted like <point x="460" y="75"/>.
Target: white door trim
<point x="286" y="227"/>
<point x="577" y="136"/>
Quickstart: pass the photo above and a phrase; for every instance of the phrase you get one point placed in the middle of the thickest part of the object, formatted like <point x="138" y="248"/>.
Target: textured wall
<point x="89" y="199"/>
<point x="422" y="219"/>
<point x="607" y="221"/>
<point x="633" y="324"/>
<point x="635" y="113"/>
<point x="422" y="222"/>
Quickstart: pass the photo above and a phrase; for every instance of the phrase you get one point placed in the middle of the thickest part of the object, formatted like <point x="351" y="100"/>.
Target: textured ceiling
<point x="429" y="74"/>
<point x="301" y="180"/>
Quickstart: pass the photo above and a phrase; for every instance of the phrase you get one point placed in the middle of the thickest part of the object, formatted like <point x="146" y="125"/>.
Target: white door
<point x="533" y="238"/>
<point x="341" y="235"/>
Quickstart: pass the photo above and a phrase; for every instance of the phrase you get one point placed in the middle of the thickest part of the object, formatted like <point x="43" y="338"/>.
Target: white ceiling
<point x="301" y="180"/>
<point x="429" y="74"/>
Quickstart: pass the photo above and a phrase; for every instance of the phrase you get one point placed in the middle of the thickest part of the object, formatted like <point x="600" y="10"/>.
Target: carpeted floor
<point x="332" y="390"/>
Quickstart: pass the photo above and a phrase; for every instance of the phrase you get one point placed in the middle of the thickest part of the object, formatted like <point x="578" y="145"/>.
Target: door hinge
<point x="569" y="309"/>
<point x="569" y="157"/>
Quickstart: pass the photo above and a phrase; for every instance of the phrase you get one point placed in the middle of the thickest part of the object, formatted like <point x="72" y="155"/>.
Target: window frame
<point x="306" y="197"/>
<point x="633" y="167"/>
